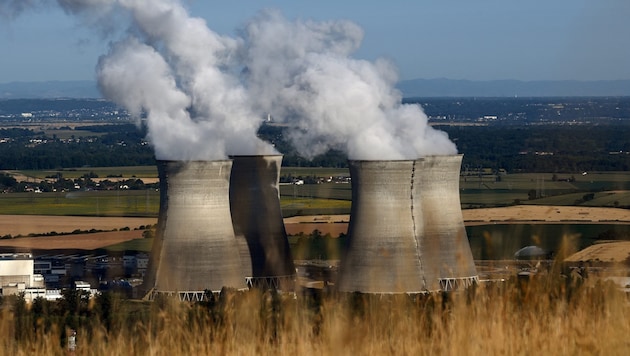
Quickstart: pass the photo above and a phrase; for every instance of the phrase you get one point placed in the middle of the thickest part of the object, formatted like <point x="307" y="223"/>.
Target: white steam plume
<point x="173" y="68"/>
<point x="303" y="72"/>
<point x="205" y="94"/>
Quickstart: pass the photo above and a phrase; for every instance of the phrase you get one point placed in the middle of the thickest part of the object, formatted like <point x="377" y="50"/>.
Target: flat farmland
<point x="41" y="224"/>
<point x="126" y="172"/>
<point x="97" y="240"/>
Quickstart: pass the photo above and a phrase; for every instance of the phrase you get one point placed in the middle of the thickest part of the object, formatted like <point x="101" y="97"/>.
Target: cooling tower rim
<point x="381" y="160"/>
<point x="192" y="160"/>
<point x="256" y="156"/>
<point x="407" y="159"/>
<point x="440" y="156"/>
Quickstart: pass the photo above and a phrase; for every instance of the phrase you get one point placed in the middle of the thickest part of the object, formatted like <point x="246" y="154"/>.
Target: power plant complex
<point x="220" y="225"/>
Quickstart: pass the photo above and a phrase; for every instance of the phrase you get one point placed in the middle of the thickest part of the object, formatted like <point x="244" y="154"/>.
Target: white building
<point x="17" y="275"/>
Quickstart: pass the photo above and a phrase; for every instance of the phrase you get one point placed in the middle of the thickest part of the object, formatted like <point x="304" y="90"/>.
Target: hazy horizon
<point x="531" y="41"/>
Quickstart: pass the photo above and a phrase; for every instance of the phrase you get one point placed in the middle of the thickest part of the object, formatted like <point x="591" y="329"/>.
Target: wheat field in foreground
<point x="549" y="314"/>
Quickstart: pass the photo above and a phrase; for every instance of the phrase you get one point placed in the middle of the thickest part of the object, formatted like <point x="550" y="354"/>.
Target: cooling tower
<point x="444" y="246"/>
<point x="195" y="248"/>
<point x="382" y="255"/>
<point x="258" y="223"/>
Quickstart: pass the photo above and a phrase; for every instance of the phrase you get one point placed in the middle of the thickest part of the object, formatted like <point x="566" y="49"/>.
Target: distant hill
<point x="410" y="88"/>
<point x="49" y="90"/>
<point x="510" y="88"/>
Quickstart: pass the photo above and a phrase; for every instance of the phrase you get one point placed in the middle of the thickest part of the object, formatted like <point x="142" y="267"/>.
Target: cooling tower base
<point x="188" y="296"/>
<point x="280" y="283"/>
<point x="453" y="284"/>
<point x="185" y="296"/>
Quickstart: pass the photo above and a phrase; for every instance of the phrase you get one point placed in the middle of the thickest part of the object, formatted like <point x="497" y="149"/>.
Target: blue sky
<point x="456" y="39"/>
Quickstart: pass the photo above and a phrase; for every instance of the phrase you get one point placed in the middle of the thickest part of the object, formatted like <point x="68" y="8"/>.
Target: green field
<point x="314" y="171"/>
<point x="487" y="191"/>
<point x="608" y="189"/>
<point x="101" y="172"/>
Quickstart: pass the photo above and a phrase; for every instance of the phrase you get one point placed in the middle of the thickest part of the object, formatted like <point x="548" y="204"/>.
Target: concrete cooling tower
<point x="258" y="223"/>
<point x="382" y="255"/>
<point x="406" y="231"/>
<point x="195" y="248"/>
<point x="447" y="258"/>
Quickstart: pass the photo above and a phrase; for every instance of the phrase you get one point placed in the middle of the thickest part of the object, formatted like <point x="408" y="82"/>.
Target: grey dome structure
<point x="445" y="250"/>
<point x="195" y="248"/>
<point x="382" y="255"/>
<point x="258" y="223"/>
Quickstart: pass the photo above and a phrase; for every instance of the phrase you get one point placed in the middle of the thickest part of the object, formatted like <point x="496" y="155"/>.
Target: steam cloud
<point x="204" y="94"/>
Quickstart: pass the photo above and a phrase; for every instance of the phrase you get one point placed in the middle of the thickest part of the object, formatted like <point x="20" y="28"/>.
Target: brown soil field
<point x="39" y="224"/>
<point x="332" y="224"/>
<point x="335" y="224"/>
<point x="546" y="214"/>
<point x="65" y="242"/>
<point x="608" y="251"/>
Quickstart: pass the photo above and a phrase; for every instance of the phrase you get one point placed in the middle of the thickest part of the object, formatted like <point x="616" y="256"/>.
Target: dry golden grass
<point x="547" y="315"/>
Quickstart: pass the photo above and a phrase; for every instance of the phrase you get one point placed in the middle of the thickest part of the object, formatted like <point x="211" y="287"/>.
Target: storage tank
<point x="258" y="223"/>
<point x="382" y="254"/>
<point x="195" y="248"/>
<point x="447" y="258"/>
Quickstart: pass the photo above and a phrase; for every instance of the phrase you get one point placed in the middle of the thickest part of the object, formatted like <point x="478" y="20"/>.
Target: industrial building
<point x="220" y="225"/>
<point x="17" y="276"/>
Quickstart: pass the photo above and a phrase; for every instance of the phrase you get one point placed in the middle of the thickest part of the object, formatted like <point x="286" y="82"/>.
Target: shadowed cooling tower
<point x="447" y="258"/>
<point x="258" y="223"/>
<point x="194" y="249"/>
<point x="382" y="255"/>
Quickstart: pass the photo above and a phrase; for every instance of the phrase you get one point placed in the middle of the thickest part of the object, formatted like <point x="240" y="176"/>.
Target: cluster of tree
<point x="544" y="148"/>
<point x="317" y="246"/>
<point x="123" y="146"/>
<point x="76" y="310"/>
<point x="517" y="111"/>
<point x="148" y="231"/>
<point x="516" y="148"/>
<point x="9" y="184"/>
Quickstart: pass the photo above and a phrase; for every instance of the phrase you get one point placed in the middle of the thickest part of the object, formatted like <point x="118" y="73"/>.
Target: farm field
<point x="141" y="172"/>
<point x="93" y="241"/>
<point x="495" y="233"/>
<point x="561" y="204"/>
<point x="610" y="189"/>
<point x="41" y="224"/>
<point x="82" y="203"/>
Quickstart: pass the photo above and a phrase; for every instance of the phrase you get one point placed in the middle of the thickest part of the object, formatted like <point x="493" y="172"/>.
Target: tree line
<point x="523" y="148"/>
